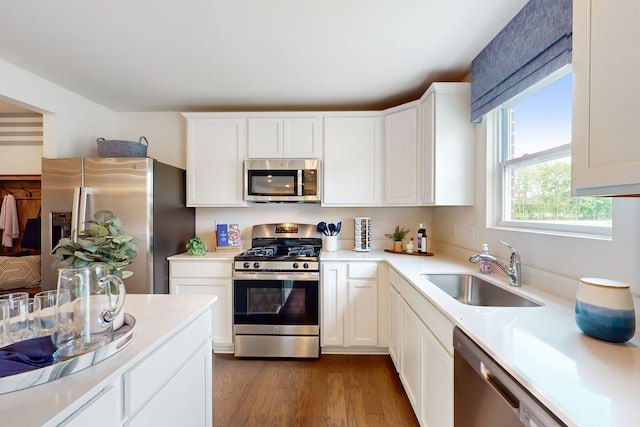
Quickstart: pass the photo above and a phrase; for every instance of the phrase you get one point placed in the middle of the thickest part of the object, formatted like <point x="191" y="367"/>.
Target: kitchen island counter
<point x="130" y="379"/>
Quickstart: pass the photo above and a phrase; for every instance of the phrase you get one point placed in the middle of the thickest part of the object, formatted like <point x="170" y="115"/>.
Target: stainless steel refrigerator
<point x="148" y="196"/>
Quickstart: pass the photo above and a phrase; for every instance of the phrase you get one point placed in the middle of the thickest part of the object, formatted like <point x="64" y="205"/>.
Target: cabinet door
<point x="447" y="146"/>
<point x="215" y="152"/>
<point x="288" y="137"/>
<point x="394" y="330"/>
<point x="427" y="116"/>
<point x="302" y="138"/>
<point x="436" y="408"/>
<point x="605" y="154"/>
<point x="104" y="410"/>
<point x="363" y="312"/>
<point x="401" y="155"/>
<point x="221" y="310"/>
<point x="265" y="138"/>
<point x="185" y="400"/>
<point x="411" y="355"/>
<point x="352" y="161"/>
<point x="334" y="295"/>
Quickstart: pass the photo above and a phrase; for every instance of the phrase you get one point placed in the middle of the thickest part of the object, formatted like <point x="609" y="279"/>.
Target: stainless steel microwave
<point x="282" y="180"/>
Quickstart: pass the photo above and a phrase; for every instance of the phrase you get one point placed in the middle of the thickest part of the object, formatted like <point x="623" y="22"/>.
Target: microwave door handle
<point x="300" y="171"/>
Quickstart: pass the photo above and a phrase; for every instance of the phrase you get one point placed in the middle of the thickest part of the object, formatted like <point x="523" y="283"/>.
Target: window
<point x="534" y="133"/>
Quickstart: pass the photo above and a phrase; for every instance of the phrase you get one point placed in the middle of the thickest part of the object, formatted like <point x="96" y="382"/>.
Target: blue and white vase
<point x="604" y="310"/>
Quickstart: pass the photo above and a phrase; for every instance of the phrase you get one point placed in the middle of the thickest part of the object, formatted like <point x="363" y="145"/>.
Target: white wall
<point x="383" y="220"/>
<point x="72" y="123"/>
<point x="165" y="132"/>
<point x="552" y="262"/>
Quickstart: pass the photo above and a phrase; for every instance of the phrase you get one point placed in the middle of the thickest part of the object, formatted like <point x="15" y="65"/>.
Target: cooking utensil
<point x="338" y="227"/>
<point x="322" y="228"/>
<point x="332" y="229"/>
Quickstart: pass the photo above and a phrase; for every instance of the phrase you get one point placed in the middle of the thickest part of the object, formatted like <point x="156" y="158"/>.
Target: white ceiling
<point x="190" y="55"/>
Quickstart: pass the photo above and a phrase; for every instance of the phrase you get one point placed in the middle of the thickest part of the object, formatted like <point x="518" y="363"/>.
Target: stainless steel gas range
<point x="276" y="292"/>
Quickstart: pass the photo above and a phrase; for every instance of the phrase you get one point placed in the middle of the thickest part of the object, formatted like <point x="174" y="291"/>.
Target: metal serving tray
<point x="62" y="368"/>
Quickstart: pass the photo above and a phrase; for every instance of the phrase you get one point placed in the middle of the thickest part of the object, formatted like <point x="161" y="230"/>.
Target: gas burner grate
<point x="262" y="251"/>
<point x="302" y="251"/>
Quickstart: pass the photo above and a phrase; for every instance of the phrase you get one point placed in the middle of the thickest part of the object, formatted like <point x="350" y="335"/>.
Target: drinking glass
<point x="46" y="303"/>
<point x="18" y="317"/>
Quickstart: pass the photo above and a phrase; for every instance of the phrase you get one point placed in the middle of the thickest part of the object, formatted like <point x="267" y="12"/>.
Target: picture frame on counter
<point x="227" y="237"/>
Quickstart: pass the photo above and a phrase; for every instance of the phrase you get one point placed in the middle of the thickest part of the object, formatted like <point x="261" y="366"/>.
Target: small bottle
<point x="422" y="238"/>
<point x="410" y="246"/>
<point x="485" y="266"/>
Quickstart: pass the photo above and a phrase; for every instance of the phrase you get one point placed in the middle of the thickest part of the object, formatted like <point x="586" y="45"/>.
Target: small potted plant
<point x="397" y="236"/>
<point x="102" y="241"/>
<point x="196" y="247"/>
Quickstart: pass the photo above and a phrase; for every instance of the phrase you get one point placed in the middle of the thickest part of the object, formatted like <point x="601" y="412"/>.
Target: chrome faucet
<point x="513" y="271"/>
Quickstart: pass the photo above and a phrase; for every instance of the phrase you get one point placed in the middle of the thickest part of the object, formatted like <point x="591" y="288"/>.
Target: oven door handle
<point x="301" y="277"/>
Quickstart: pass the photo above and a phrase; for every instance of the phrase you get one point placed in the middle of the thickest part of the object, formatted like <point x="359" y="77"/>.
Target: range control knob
<point x="305" y="265"/>
<point x="246" y="265"/>
<point x="295" y="265"/>
<point x="256" y="265"/>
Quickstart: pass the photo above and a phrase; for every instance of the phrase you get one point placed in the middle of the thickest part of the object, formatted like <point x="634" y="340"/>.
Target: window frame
<point x="497" y="135"/>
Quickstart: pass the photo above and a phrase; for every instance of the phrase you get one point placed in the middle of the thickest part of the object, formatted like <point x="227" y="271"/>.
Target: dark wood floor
<point x="334" y="390"/>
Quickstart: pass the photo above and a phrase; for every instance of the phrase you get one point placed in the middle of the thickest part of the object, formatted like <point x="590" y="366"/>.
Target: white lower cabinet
<point x="349" y="315"/>
<point x="170" y="386"/>
<point x="394" y="318"/>
<point x="104" y="410"/>
<point x="207" y="277"/>
<point x="420" y="345"/>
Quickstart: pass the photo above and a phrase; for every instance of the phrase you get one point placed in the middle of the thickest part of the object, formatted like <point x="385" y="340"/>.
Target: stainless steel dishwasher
<point x="486" y="395"/>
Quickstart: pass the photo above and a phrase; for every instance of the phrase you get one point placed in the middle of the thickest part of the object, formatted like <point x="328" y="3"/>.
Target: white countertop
<point x="158" y="317"/>
<point x="584" y="381"/>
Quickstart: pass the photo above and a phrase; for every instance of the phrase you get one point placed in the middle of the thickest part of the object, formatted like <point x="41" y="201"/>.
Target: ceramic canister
<point x="604" y="309"/>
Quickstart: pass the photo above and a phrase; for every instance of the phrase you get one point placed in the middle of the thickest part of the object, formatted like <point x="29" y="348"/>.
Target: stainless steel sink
<point x="472" y="290"/>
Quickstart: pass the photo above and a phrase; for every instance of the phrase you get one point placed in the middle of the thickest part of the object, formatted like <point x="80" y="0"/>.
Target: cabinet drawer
<point x="437" y="323"/>
<point x="199" y="269"/>
<point x="144" y="381"/>
<point x="363" y="270"/>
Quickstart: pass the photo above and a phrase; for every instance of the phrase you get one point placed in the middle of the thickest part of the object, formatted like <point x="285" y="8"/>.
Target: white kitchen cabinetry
<point x="284" y="137"/>
<point x="349" y="305"/>
<point x="208" y="277"/>
<point x="422" y="338"/>
<point x="401" y="155"/>
<point x="352" y="160"/>
<point x="215" y="155"/>
<point x="446" y="146"/>
<point x="104" y="410"/>
<point x="170" y="386"/>
<point x="605" y="153"/>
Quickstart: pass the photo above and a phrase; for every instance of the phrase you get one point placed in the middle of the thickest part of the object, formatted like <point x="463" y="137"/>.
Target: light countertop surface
<point x="584" y="381"/>
<point x="158" y="317"/>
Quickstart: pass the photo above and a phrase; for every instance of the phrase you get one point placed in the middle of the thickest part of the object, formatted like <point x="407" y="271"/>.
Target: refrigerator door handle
<point x="75" y="211"/>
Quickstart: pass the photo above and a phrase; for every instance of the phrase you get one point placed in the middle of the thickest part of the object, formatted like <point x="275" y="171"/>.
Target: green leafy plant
<point x="398" y="234"/>
<point x="101" y="241"/>
<point x="196" y="247"/>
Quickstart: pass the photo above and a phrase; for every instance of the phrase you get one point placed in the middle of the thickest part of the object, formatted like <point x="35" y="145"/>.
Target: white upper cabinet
<point x="284" y="137"/>
<point x="401" y="155"/>
<point x="352" y="160"/>
<point x="215" y="155"/>
<point x="446" y="146"/>
<point x="605" y="153"/>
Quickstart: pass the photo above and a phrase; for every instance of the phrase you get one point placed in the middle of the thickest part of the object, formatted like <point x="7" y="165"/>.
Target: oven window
<point x="272" y="183"/>
<point x="285" y="302"/>
<point x="275" y="301"/>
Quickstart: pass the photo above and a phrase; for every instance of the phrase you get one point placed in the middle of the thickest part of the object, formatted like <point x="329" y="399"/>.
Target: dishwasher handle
<point x="527" y="407"/>
<point x="499" y="387"/>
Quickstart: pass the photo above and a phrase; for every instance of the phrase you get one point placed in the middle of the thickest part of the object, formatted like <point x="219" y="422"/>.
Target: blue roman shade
<point x="533" y="45"/>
